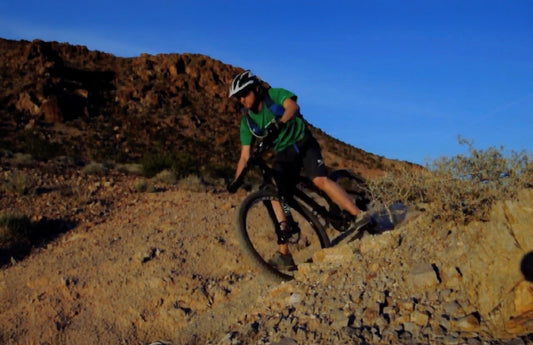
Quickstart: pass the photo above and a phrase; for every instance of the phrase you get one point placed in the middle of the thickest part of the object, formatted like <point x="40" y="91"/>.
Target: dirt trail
<point x="164" y="266"/>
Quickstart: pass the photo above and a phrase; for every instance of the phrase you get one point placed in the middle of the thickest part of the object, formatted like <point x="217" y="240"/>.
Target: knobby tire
<point x="257" y="235"/>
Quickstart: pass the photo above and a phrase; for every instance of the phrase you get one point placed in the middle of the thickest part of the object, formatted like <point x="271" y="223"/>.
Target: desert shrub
<point x="166" y="176"/>
<point x="213" y="181"/>
<point x="218" y="183"/>
<point x="94" y="169"/>
<point x="39" y="147"/>
<point x="18" y="182"/>
<point x="181" y="163"/>
<point x="66" y="190"/>
<point x="130" y="168"/>
<point x="64" y="161"/>
<point x="192" y="183"/>
<point x="404" y="185"/>
<point x="23" y="160"/>
<point x="184" y="164"/>
<point x="15" y="230"/>
<point x="224" y="170"/>
<point x="154" y="162"/>
<point x="143" y="185"/>
<point x="461" y="188"/>
<point x="5" y="152"/>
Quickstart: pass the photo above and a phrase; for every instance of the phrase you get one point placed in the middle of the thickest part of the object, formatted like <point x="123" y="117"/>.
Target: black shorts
<point x="288" y="164"/>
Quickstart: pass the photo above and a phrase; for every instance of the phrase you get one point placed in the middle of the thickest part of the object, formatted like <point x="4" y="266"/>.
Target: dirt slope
<point x="166" y="266"/>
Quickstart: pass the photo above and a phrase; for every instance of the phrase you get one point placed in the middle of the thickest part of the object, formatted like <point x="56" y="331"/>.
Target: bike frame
<point x="299" y="195"/>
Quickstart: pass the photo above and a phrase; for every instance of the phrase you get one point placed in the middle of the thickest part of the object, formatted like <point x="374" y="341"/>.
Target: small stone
<point x="411" y="327"/>
<point x="286" y="341"/>
<point x="444" y="323"/>
<point x="388" y="310"/>
<point x="406" y="305"/>
<point x="473" y="341"/>
<point x="469" y="323"/>
<point x="423" y="276"/>
<point x="451" y="340"/>
<point x="293" y="299"/>
<point x="381" y="322"/>
<point x="419" y="318"/>
<point x="339" y="320"/>
<point x="452" y="308"/>
<point x="452" y="277"/>
<point x="515" y="341"/>
<point x="333" y="255"/>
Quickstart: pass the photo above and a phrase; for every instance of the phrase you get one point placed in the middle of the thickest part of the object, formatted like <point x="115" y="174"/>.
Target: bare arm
<point x="291" y="109"/>
<point x="245" y="155"/>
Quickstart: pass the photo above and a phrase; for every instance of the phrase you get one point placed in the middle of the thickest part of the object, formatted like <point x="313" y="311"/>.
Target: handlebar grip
<point x="234" y="186"/>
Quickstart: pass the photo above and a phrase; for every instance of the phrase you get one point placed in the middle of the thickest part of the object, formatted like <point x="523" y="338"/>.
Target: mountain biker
<point x="273" y="116"/>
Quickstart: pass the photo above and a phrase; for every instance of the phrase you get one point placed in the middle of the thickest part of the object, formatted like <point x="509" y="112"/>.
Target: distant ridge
<point x="95" y="106"/>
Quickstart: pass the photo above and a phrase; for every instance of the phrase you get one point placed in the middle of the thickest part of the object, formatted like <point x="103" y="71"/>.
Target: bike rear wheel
<point x="256" y="228"/>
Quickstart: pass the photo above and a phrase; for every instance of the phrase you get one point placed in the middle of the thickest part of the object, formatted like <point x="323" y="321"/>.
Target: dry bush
<point x="167" y="177"/>
<point x="64" y="161"/>
<point x="181" y="163"/>
<point x="130" y="169"/>
<point x="143" y="185"/>
<point x="461" y="188"/>
<point x="18" y="182"/>
<point x="14" y="230"/>
<point x="22" y="160"/>
<point x="94" y="169"/>
<point x="192" y="183"/>
<point x="405" y="185"/>
<point x="214" y="182"/>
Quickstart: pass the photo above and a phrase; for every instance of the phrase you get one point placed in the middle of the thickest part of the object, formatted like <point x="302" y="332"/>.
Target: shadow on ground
<point x="37" y="235"/>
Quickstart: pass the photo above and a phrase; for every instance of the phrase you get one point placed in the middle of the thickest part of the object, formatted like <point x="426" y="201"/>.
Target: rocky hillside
<point x="59" y="99"/>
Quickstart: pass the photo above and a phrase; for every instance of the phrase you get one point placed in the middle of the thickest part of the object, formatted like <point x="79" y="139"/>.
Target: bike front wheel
<point x="256" y="228"/>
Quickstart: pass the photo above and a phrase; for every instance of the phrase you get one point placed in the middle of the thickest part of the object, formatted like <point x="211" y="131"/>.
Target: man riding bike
<point x="273" y="116"/>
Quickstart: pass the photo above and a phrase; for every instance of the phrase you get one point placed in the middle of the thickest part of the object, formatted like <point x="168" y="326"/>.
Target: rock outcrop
<point x="93" y="105"/>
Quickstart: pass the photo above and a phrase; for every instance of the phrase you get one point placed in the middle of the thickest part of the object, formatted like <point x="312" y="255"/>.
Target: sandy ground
<point x="164" y="266"/>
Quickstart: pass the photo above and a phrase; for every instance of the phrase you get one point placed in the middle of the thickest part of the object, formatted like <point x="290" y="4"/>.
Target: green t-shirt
<point x="292" y="132"/>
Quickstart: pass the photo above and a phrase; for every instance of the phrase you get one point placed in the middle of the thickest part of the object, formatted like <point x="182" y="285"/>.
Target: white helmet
<point x="242" y="81"/>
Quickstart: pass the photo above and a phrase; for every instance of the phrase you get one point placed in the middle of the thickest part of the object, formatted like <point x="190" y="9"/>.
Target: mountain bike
<point x="309" y="216"/>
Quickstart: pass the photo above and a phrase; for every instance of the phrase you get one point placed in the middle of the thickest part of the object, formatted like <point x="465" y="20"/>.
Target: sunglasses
<point x="243" y="93"/>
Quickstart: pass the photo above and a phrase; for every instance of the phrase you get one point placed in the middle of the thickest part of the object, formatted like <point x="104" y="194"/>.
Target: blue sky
<point x="400" y="79"/>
